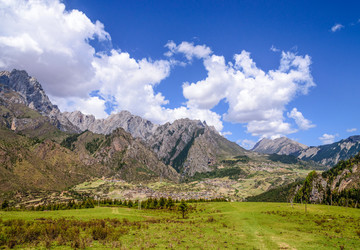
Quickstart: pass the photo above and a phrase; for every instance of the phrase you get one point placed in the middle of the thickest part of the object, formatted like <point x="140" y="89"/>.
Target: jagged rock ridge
<point x="137" y="126"/>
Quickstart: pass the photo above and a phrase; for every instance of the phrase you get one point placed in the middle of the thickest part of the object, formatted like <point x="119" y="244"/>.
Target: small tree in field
<point x="183" y="208"/>
<point x="304" y="192"/>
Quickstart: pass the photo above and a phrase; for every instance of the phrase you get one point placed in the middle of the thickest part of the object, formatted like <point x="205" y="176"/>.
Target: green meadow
<point x="218" y="225"/>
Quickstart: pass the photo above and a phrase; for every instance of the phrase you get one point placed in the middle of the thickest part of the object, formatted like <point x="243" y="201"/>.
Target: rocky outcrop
<point x="281" y="146"/>
<point x="30" y="93"/>
<point x="339" y="185"/>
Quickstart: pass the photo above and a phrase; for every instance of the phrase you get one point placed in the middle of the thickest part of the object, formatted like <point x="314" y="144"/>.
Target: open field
<point x="210" y="226"/>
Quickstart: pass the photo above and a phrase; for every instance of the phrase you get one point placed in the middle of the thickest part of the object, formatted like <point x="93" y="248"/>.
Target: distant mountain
<point x="281" y="146"/>
<point x="327" y="155"/>
<point x="31" y="94"/>
<point x="331" y="154"/>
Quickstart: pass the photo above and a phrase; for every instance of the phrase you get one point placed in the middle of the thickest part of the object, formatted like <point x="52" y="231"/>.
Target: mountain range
<point x="42" y="148"/>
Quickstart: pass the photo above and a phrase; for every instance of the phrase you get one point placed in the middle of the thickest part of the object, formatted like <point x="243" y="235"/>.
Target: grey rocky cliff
<point x="281" y="146"/>
<point x="171" y="142"/>
<point x="207" y="150"/>
<point x="31" y="94"/>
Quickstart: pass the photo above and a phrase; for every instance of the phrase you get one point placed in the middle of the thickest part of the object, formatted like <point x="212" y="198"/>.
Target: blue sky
<point x="135" y="70"/>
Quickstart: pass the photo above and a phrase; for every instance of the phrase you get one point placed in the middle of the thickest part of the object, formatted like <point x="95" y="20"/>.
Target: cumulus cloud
<point x="89" y="106"/>
<point x="130" y="82"/>
<point x="350" y="130"/>
<point x="337" y="27"/>
<point x="301" y="121"/>
<point x="188" y="49"/>
<point x="51" y="44"/>
<point x="328" y="138"/>
<point x="255" y="97"/>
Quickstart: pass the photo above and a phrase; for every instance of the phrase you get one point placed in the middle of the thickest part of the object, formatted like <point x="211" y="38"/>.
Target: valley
<point x="179" y="124"/>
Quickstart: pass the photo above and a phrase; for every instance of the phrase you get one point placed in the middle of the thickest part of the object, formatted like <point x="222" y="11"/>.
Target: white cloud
<point x="248" y="144"/>
<point x="328" y="138"/>
<point x="89" y="106"/>
<point x="350" y="130"/>
<point x="226" y="133"/>
<point x="188" y="49"/>
<point x="337" y="27"/>
<point x="300" y="120"/>
<point x="51" y="44"/>
<point x="274" y="49"/>
<point x="130" y="82"/>
<point x="255" y="97"/>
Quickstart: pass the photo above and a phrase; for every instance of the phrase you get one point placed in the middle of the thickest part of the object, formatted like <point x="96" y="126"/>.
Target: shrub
<point x="99" y="233"/>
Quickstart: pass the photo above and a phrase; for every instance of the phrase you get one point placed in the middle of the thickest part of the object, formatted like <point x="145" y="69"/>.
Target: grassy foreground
<point x="210" y="226"/>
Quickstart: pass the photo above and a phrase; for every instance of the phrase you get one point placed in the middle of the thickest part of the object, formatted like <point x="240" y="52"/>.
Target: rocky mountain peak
<point x="30" y="93"/>
<point x="29" y="88"/>
<point x="282" y="145"/>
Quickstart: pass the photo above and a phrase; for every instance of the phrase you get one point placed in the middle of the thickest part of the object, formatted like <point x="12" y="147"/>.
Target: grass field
<point x="220" y="225"/>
